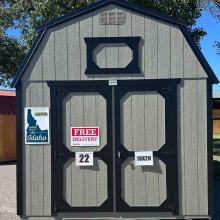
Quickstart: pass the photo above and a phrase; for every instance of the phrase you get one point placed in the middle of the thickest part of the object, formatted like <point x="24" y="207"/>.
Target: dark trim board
<point x="216" y="103"/>
<point x="150" y="83"/>
<point x="131" y="42"/>
<point x="19" y="149"/>
<point x="210" y="147"/>
<point x="140" y="82"/>
<point x="124" y="4"/>
<point x="54" y="185"/>
<point x="10" y="162"/>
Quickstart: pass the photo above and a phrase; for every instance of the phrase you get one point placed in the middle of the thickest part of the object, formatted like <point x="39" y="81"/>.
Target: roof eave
<point x="211" y="75"/>
<point x="28" y="57"/>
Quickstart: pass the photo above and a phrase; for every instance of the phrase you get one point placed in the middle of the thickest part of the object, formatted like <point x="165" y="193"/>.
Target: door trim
<point x="60" y="154"/>
<point x="62" y="88"/>
<point x="168" y="90"/>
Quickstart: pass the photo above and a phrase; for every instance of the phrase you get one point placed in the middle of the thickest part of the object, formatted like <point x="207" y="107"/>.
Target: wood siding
<point x="165" y="54"/>
<point x="37" y="159"/>
<point x="193" y="147"/>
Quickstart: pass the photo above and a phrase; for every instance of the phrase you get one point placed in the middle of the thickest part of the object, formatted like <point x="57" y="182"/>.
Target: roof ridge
<point x="141" y="9"/>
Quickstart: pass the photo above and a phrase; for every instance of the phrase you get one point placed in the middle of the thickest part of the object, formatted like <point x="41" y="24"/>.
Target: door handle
<point x="119" y="154"/>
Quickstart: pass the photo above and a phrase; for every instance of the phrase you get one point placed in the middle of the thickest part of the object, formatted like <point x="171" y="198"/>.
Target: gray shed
<point x="114" y="118"/>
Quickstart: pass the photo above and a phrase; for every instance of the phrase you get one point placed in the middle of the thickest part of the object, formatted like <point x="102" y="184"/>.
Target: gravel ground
<point x="8" y="192"/>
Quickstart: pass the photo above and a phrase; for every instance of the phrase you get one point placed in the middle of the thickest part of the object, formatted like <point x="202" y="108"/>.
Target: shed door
<point x="146" y="120"/>
<point x="133" y="116"/>
<point x="82" y="188"/>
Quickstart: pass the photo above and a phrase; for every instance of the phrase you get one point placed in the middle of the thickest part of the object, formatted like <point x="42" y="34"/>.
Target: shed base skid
<point x="108" y="218"/>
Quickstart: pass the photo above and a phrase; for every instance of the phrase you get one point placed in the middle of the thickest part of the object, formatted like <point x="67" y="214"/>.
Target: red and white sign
<point x="85" y="136"/>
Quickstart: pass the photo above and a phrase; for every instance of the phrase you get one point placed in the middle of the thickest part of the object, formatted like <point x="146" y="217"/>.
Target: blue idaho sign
<point x="37" y="125"/>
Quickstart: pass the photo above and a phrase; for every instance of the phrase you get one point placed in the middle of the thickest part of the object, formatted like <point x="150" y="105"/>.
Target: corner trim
<point x="19" y="149"/>
<point x="210" y="146"/>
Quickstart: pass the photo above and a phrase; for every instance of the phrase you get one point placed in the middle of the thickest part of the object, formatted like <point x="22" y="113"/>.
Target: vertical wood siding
<point x="37" y="159"/>
<point x="193" y="147"/>
<point x="164" y="54"/>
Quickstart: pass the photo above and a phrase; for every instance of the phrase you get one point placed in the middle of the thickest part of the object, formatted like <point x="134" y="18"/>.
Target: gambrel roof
<point x="127" y="5"/>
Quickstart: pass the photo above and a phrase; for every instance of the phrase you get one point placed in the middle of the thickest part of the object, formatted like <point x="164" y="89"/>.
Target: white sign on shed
<point x="85" y="136"/>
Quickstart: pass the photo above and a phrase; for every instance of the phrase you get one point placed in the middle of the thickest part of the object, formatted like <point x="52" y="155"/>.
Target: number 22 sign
<point x="84" y="158"/>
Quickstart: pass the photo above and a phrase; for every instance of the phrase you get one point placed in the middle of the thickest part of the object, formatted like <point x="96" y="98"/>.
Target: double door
<point x="132" y="116"/>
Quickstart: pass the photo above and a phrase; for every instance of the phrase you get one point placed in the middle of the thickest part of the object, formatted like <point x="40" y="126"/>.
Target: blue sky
<point x="211" y="25"/>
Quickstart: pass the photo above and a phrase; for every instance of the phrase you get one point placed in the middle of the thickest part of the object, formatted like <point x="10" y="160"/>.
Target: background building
<point x="7" y="126"/>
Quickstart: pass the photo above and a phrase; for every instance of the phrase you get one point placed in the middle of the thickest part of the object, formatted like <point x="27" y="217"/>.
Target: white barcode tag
<point x="113" y="82"/>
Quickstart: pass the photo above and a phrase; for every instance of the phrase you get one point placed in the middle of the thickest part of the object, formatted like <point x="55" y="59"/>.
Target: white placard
<point x="113" y="82"/>
<point x="85" y="136"/>
<point x="84" y="158"/>
<point x="36" y="125"/>
<point x="144" y="158"/>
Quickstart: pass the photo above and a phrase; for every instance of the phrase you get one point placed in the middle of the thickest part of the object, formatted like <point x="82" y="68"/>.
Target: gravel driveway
<point x="8" y="192"/>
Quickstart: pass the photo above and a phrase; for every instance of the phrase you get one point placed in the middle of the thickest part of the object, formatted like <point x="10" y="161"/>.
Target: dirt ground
<point x="8" y="192"/>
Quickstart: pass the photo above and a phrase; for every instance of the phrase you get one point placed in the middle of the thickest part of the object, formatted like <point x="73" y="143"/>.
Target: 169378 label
<point x="144" y="158"/>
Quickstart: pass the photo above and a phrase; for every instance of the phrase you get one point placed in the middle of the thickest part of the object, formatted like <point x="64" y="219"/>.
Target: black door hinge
<point x="58" y="155"/>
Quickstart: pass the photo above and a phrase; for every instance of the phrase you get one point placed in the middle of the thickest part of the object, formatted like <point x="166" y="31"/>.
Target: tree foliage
<point x="186" y="11"/>
<point x="27" y="15"/>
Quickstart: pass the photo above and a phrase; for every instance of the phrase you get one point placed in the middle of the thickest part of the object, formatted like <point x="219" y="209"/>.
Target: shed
<point x="114" y="118"/>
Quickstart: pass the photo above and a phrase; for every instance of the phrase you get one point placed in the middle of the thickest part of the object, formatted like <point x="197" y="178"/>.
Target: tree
<point x="187" y="11"/>
<point x="27" y="15"/>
